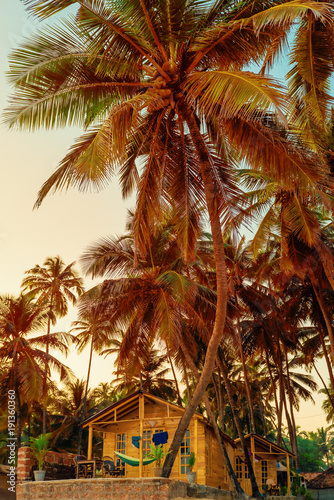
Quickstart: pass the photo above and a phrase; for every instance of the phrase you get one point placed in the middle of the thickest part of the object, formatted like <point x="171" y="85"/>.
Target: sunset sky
<point x="67" y="222"/>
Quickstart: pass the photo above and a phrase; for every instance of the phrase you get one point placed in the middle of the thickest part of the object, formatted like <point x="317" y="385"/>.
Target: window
<point x="120" y="446"/>
<point x="147" y="440"/>
<point x="238" y="467"/>
<point x="185" y="452"/>
<point x="264" y="471"/>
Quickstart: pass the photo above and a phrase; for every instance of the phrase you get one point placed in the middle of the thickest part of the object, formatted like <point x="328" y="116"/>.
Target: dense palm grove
<point x="176" y="97"/>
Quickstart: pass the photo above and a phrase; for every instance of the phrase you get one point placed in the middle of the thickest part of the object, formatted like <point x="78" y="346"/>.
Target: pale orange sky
<point x="66" y="223"/>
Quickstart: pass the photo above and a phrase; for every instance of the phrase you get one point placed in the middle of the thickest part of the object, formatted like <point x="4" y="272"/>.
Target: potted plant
<point x="39" y="446"/>
<point x="158" y="454"/>
<point x="191" y="476"/>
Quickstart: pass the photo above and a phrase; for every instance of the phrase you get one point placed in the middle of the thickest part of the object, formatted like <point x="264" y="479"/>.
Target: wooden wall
<point x="209" y="467"/>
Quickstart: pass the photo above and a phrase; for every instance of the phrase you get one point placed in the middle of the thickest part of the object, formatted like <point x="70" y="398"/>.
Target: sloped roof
<point x="266" y="444"/>
<point x="309" y="476"/>
<point x="130" y="398"/>
<point x="324" y="480"/>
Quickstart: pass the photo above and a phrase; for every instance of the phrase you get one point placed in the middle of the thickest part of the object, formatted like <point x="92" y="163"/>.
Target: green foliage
<point x="157" y="452"/>
<point x="39" y="446"/>
<point x="283" y="490"/>
<point x="192" y="460"/>
<point x="310" y="455"/>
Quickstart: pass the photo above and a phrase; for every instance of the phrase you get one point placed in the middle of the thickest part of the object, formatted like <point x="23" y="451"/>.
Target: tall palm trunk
<point x="244" y="369"/>
<point x="320" y="299"/>
<point x="238" y="489"/>
<point x="281" y="389"/>
<point x="324" y="349"/>
<point x="324" y="384"/>
<point x="179" y="399"/>
<point x="186" y="380"/>
<point x="222" y="292"/>
<point x="293" y="421"/>
<point x="274" y="390"/>
<point x="255" y="489"/>
<point x="46" y="368"/>
<point x="83" y="413"/>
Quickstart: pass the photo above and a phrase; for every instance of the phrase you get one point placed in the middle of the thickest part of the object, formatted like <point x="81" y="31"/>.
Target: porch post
<point x="90" y="442"/>
<point x="141" y="428"/>
<point x="288" y="471"/>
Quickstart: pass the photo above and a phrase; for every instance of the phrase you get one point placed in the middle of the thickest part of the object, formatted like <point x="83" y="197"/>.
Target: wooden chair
<point x="82" y="470"/>
<point x="109" y="469"/>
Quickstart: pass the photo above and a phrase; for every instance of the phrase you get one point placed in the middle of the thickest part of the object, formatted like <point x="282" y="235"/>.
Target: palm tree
<point x="66" y="413"/>
<point x="52" y="285"/>
<point x="147" y="371"/>
<point x="141" y="86"/>
<point x="92" y="328"/>
<point x="20" y="352"/>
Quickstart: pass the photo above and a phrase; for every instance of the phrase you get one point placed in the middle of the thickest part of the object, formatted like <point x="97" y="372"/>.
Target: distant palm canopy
<point x="164" y="95"/>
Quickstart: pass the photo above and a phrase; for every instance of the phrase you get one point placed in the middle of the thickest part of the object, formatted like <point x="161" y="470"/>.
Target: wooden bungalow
<point x="265" y="457"/>
<point x="134" y="420"/>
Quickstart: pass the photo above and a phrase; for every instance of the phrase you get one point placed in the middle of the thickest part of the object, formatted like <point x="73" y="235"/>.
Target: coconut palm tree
<point x="21" y="352"/>
<point x="169" y="89"/>
<point x="92" y="327"/>
<point x="53" y="285"/>
<point x="66" y="413"/>
<point x="147" y="371"/>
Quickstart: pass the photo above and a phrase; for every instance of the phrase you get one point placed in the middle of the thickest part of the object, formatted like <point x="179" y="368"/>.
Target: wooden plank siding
<point x="141" y="414"/>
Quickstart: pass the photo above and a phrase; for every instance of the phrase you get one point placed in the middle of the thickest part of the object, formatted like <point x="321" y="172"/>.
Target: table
<point x="87" y="464"/>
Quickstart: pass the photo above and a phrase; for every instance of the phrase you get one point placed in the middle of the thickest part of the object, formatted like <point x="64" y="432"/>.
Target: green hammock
<point x="133" y="461"/>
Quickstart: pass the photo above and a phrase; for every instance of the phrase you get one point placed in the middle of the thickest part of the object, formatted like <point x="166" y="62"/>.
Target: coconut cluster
<point x="161" y="90"/>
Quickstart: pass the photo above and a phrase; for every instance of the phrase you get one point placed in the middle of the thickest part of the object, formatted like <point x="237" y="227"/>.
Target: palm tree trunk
<point x="281" y="391"/>
<point x="255" y="489"/>
<point x="244" y="369"/>
<point x="83" y="413"/>
<point x="187" y="381"/>
<point x="237" y="487"/>
<point x="324" y="348"/>
<point x="46" y="369"/>
<point x="319" y="296"/>
<point x="179" y="399"/>
<point x="18" y="415"/>
<point x="293" y="422"/>
<point x="222" y="292"/>
<point x="324" y="384"/>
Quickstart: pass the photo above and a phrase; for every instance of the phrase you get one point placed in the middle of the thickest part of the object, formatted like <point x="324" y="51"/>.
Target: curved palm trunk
<point x="328" y="363"/>
<point x="319" y="296"/>
<point x="255" y="489"/>
<point x="83" y="413"/>
<point x="324" y="384"/>
<point x="244" y="369"/>
<point x="240" y="492"/>
<point x="222" y="292"/>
